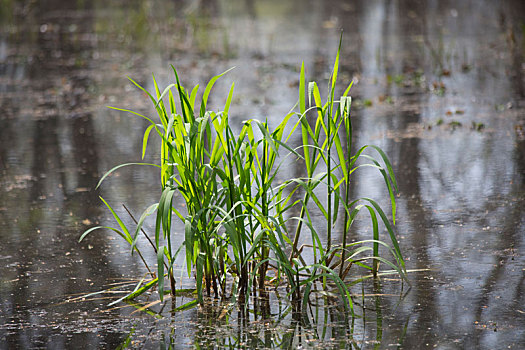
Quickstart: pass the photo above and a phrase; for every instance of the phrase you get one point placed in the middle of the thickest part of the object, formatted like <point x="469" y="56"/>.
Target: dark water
<point x="439" y="85"/>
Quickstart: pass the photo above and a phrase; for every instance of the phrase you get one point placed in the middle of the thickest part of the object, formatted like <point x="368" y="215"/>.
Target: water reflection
<point x="221" y="325"/>
<point x="48" y="178"/>
<point x="425" y="72"/>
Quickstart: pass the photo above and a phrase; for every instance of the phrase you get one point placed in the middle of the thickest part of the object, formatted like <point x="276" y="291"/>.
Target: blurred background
<point x="439" y="85"/>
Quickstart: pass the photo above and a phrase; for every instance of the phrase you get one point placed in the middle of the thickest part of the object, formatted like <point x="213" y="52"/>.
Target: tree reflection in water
<point x="419" y="66"/>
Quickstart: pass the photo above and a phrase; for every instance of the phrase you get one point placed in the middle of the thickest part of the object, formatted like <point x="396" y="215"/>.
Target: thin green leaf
<point x="120" y="166"/>
<point x="160" y="273"/>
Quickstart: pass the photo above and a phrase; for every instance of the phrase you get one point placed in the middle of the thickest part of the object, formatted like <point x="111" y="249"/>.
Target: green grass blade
<point x="388" y="165"/>
<point x="120" y="166"/>
<point x="136" y="292"/>
<point x="87" y="232"/>
<point x="208" y="89"/>
<point x="161" y="96"/>
<point x="187" y="306"/>
<point x="390" y="230"/>
<point x="143" y="217"/>
<point x="160" y="272"/>
<point x="120" y="233"/>
<point x="145" y="139"/>
<point x="375" y="231"/>
<point x="193" y="96"/>
<point x="229" y="99"/>
<point x="188" y="242"/>
<point x="120" y="223"/>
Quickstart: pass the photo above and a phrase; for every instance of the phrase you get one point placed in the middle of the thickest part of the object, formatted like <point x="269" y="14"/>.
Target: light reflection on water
<point x="423" y="68"/>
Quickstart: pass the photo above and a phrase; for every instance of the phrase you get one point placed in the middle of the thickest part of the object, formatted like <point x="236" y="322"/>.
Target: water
<point x="438" y="85"/>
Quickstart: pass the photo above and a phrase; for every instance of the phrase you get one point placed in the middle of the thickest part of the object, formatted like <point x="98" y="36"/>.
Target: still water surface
<point x="439" y="85"/>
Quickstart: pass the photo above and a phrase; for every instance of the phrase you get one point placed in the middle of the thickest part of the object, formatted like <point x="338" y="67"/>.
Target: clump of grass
<point x="239" y="231"/>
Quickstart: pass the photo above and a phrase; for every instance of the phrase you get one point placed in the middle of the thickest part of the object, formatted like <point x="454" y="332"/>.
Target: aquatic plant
<point x="239" y="231"/>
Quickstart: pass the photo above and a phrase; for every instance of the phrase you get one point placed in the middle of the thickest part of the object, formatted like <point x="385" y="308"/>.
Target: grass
<point x="240" y="234"/>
